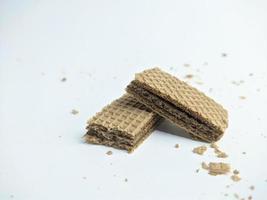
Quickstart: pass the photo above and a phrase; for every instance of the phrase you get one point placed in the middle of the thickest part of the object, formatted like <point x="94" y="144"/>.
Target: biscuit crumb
<point x="244" y="152"/>
<point x="210" y="89"/>
<point x="204" y="166"/>
<point x="214" y="145"/>
<point x="205" y="63"/>
<point x="74" y="112"/>
<point x="197" y="170"/>
<point x="186" y="65"/>
<point x="235" y="178"/>
<point x="226" y="195"/>
<point x="216" y="168"/>
<point x="236" y="195"/>
<point x="217" y="151"/>
<point x="242" y="97"/>
<point x="109" y="153"/>
<point x="224" y="55"/>
<point x="236" y="171"/>
<point x="84" y="177"/>
<point x="189" y="76"/>
<point x="171" y="68"/>
<point x="222" y="155"/>
<point x="126" y="180"/>
<point x="200" y="150"/>
<point x="63" y="79"/>
<point x="249" y="197"/>
<point x="251" y="74"/>
<point x="252" y="187"/>
<point x="177" y="146"/>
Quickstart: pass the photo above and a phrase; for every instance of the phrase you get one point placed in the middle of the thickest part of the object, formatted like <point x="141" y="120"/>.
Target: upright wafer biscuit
<point x="123" y="124"/>
<point x="182" y="104"/>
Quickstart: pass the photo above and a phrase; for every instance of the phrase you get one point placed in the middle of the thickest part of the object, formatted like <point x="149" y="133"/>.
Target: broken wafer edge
<point x="181" y="103"/>
<point x="123" y="124"/>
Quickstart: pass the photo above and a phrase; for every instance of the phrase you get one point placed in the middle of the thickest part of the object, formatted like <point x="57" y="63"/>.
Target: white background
<point x="98" y="46"/>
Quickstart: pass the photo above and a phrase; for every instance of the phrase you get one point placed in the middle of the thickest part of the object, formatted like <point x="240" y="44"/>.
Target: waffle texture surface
<point x="125" y="115"/>
<point x="184" y="96"/>
<point x="123" y="124"/>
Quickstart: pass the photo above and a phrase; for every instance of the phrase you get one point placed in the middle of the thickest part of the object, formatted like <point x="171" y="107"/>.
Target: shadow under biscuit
<point x="168" y="127"/>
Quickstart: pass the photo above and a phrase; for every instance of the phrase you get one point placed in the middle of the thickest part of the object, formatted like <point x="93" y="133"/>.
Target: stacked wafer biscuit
<point x="152" y="95"/>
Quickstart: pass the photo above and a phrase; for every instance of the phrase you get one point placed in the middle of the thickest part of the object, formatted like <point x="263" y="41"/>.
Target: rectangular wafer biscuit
<point x="182" y="104"/>
<point x="123" y="124"/>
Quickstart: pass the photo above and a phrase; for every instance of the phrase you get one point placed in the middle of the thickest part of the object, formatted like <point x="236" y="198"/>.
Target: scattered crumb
<point x="251" y="74"/>
<point x="252" y="187"/>
<point x="11" y="196"/>
<point x="214" y="145"/>
<point x="242" y="97"/>
<point x="42" y="73"/>
<point x="242" y="199"/>
<point x="237" y="83"/>
<point x="205" y="63"/>
<point x="171" y="68"/>
<point x="64" y="79"/>
<point x="217" y="151"/>
<point x="258" y="89"/>
<point x="74" y="112"/>
<point x="249" y="197"/>
<point x="110" y="163"/>
<point x="197" y="170"/>
<point x="200" y="150"/>
<point x="210" y="89"/>
<point x="204" y="166"/>
<point x="84" y="177"/>
<point x="226" y="195"/>
<point x="224" y="55"/>
<point x="109" y="153"/>
<point x="177" y="146"/>
<point x="186" y="65"/>
<point x="235" y="178"/>
<point x="59" y="136"/>
<point x="236" y="195"/>
<point x="189" y="76"/>
<point x="216" y="168"/>
<point x="222" y="155"/>
<point x="126" y="180"/>
<point x="244" y="152"/>
<point x="234" y="83"/>
<point x="236" y="171"/>
<point x="114" y="77"/>
<point x="227" y="186"/>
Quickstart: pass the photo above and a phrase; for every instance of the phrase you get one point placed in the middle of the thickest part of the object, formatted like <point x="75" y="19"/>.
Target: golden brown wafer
<point x="181" y="103"/>
<point x="123" y="124"/>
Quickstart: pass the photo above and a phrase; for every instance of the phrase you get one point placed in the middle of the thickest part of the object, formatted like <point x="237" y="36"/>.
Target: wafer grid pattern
<point x="184" y="96"/>
<point x="124" y="114"/>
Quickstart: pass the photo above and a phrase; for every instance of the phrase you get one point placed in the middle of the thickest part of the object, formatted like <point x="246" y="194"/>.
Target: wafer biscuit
<point x="123" y="124"/>
<point x="182" y="104"/>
